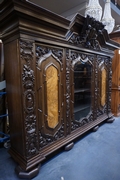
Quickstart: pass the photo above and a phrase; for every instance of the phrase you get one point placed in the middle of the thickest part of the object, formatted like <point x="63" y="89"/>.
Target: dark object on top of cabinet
<point x="58" y="80"/>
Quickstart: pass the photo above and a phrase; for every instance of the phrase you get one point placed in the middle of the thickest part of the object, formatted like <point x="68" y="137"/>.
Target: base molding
<point x="27" y="174"/>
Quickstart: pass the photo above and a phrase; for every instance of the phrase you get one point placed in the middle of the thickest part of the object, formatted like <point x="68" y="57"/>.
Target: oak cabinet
<point x="115" y="103"/>
<point x="58" y="80"/>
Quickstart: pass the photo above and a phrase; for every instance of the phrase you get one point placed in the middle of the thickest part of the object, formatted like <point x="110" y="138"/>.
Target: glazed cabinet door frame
<point x="81" y="57"/>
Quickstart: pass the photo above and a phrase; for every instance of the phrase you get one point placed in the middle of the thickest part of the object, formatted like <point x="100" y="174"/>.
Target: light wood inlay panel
<point x="103" y="87"/>
<point x="52" y="96"/>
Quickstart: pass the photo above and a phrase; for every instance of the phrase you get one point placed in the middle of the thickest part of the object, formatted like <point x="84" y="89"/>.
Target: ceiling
<point x="68" y="8"/>
<point x="57" y="6"/>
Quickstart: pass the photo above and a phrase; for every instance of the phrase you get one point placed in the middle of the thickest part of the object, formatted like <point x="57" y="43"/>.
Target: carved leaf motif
<point x="28" y="77"/>
<point x="26" y="50"/>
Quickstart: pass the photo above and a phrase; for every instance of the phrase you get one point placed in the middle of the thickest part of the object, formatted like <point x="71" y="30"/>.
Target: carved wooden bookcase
<point x="58" y="76"/>
<point x="115" y="105"/>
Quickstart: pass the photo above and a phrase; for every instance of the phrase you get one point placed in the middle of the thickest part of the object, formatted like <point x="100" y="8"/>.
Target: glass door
<point x="82" y="90"/>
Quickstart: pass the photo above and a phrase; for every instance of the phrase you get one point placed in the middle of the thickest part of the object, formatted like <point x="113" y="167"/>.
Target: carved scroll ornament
<point x="88" y="36"/>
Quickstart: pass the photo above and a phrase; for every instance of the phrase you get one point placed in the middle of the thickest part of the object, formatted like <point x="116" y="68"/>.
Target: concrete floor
<point x="96" y="156"/>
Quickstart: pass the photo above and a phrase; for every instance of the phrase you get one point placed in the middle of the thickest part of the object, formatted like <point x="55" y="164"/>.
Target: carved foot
<point x="95" y="128"/>
<point x="110" y="120"/>
<point x="69" y="146"/>
<point x="27" y="174"/>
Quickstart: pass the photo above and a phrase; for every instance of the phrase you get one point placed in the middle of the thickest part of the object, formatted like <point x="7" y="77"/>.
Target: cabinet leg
<point x="27" y="174"/>
<point x="110" y="120"/>
<point x="69" y="146"/>
<point x="95" y="128"/>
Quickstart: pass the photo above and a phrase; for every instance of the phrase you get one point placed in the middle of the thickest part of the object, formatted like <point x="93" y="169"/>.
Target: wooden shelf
<point x="82" y="90"/>
<point x="82" y="107"/>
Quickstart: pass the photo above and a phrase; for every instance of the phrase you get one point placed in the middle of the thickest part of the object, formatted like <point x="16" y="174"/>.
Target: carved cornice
<point x="80" y="31"/>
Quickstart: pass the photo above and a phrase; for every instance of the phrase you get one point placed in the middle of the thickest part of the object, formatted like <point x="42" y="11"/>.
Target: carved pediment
<point x="88" y="35"/>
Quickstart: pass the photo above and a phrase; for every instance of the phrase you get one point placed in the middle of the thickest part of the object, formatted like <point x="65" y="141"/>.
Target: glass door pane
<point x="82" y="90"/>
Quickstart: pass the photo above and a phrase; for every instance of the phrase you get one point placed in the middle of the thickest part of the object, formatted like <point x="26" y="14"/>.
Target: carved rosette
<point x="42" y="53"/>
<point x="28" y="78"/>
<point x="74" y="58"/>
<point x="88" y="36"/>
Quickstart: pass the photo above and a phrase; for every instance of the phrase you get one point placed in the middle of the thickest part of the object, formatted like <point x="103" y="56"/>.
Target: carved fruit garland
<point x="26" y="54"/>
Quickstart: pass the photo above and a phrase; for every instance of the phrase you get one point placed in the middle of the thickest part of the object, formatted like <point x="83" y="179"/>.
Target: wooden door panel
<point x="50" y="96"/>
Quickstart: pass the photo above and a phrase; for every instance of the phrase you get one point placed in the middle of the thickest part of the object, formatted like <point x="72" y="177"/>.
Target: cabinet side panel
<point x="115" y="102"/>
<point x="115" y="70"/>
<point x="13" y="88"/>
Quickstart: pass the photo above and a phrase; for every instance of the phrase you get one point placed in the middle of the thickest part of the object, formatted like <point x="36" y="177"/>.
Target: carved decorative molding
<point x="88" y="36"/>
<point x="28" y="78"/>
<point x="47" y="139"/>
<point x="43" y="52"/>
<point x="68" y="93"/>
<point x="26" y="51"/>
<point x="109" y="83"/>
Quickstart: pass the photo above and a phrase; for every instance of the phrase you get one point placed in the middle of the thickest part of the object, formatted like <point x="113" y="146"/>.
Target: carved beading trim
<point x="28" y="78"/>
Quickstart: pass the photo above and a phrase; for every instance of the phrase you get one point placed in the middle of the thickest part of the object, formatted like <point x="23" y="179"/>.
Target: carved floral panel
<point x="28" y="81"/>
